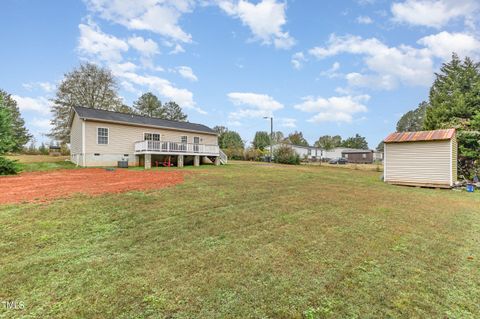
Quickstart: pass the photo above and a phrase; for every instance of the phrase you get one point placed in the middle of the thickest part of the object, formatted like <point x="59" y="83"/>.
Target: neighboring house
<point x="427" y="158"/>
<point x="378" y="156"/>
<point x="358" y="156"/>
<point x="336" y="152"/>
<point x="102" y="138"/>
<point x="305" y="152"/>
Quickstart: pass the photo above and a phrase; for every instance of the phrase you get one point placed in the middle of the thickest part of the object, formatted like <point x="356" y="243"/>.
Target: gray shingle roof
<point x="109" y="116"/>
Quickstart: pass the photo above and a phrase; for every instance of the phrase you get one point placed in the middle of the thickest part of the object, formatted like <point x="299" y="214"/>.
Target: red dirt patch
<point x="45" y="186"/>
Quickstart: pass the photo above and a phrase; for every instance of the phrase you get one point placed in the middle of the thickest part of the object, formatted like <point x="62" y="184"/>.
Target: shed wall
<point x="426" y="163"/>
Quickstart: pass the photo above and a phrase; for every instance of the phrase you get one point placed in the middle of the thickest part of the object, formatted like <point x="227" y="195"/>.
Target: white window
<point x="102" y="135"/>
<point x="184" y="139"/>
<point x="151" y="136"/>
<point x="346" y="155"/>
<point x="364" y="155"/>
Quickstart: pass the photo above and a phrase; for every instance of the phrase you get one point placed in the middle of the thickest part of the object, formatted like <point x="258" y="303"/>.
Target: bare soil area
<point x="45" y="186"/>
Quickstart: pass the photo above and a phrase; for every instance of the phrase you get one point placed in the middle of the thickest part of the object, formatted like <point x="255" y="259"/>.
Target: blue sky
<point x="320" y="67"/>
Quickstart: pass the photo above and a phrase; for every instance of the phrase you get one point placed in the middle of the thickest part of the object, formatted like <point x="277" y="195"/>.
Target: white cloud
<point x="333" y="109"/>
<point x="163" y="87"/>
<point x="298" y="59"/>
<point x="386" y="67"/>
<point x="444" y="43"/>
<point x="253" y="105"/>
<point x="93" y="42"/>
<point x="434" y="13"/>
<point x="38" y="104"/>
<point x="145" y="47"/>
<point x="399" y="64"/>
<point x="287" y="122"/>
<point x="187" y="73"/>
<point x="332" y="72"/>
<point x="41" y="123"/>
<point x="265" y="19"/>
<point x="47" y="87"/>
<point x="177" y="49"/>
<point x="161" y="17"/>
<point x="364" y="20"/>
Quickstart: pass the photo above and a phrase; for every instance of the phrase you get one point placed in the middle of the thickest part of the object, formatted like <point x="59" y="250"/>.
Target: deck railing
<point x="167" y="147"/>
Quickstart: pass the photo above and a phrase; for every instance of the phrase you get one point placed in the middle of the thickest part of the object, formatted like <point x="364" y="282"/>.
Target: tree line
<point x="453" y="102"/>
<point x="232" y="143"/>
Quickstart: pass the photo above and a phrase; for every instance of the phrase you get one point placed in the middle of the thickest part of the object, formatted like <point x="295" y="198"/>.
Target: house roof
<point x="352" y="151"/>
<point x="420" y="136"/>
<point x="117" y="117"/>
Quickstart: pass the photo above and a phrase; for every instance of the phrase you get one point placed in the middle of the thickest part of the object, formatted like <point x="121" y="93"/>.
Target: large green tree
<point x="261" y="140"/>
<point x="454" y="101"/>
<point x="174" y="112"/>
<point x="356" y="141"/>
<point x="412" y="121"/>
<point x="328" y="142"/>
<point x="89" y="86"/>
<point x="228" y="139"/>
<point x="20" y="134"/>
<point x="148" y="104"/>
<point x="297" y="138"/>
<point x="7" y="142"/>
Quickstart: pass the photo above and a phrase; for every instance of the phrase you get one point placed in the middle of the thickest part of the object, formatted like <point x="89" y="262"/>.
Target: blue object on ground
<point x="470" y="188"/>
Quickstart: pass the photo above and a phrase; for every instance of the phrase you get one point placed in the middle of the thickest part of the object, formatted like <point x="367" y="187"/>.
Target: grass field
<point x="247" y="241"/>
<point x="32" y="163"/>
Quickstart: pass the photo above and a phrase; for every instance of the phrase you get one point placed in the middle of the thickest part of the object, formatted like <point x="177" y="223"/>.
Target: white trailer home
<point x="426" y="158"/>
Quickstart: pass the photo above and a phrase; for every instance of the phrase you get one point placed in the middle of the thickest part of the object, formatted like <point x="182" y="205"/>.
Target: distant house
<point x="305" y="152"/>
<point x="54" y="150"/>
<point x="426" y="158"/>
<point x="102" y="138"/>
<point x="358" y="156"/>
<point x="377" y="156"/>
<point x="342" y="151"/>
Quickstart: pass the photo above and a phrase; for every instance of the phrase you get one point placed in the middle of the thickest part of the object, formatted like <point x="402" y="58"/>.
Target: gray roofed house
<point x="102" y="138"/>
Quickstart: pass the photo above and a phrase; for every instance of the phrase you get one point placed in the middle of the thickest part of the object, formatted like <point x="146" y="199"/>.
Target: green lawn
<point x="247" y="241"/>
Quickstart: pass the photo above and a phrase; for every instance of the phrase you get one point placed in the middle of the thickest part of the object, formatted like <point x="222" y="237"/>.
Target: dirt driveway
<point x="45" y="186"/>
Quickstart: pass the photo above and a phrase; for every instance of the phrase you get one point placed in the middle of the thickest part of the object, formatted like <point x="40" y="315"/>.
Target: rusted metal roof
<point x="419" y="136"/>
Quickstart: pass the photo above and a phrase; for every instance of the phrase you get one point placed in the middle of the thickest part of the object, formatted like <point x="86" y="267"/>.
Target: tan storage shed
<point x="426" y="158"/>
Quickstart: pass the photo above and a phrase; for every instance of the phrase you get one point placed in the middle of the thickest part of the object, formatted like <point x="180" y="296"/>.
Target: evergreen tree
<point x="88" y="86"/>
<point x="455" y="102"/>
<point x="261" y="140"/>
<point x="412" y="121"/>
<point x="174" y="112"/>
<point x="7" y="143"/>
<point x="19" y="131"/>
<point x="149" y="105"/>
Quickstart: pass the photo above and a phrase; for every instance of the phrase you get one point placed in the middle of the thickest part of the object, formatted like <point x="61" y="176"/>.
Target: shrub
<point x="254" y="154"/>
<point x="234" y="153"/>
<point x="8" y="167"/>
<point x="286" y="155"/>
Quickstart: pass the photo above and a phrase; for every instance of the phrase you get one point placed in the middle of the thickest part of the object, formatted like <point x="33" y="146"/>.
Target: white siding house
<point x="305" y="152"/>
<point x="427" y="158"/>
<point x="102" y="138"/>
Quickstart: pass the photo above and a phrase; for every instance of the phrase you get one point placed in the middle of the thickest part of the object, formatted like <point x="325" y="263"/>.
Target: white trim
<point x="83" y="144"/>
<point x="108" y="135"/>
<point x="451" y="162"/>
<point x="384" y="161"/>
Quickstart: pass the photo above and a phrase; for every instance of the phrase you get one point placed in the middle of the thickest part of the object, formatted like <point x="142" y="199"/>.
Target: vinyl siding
<point x="418" y="162"/>
<point x="122" y="138"/>
<point x="76" y="140"/>
<point x="454" y="159"/>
